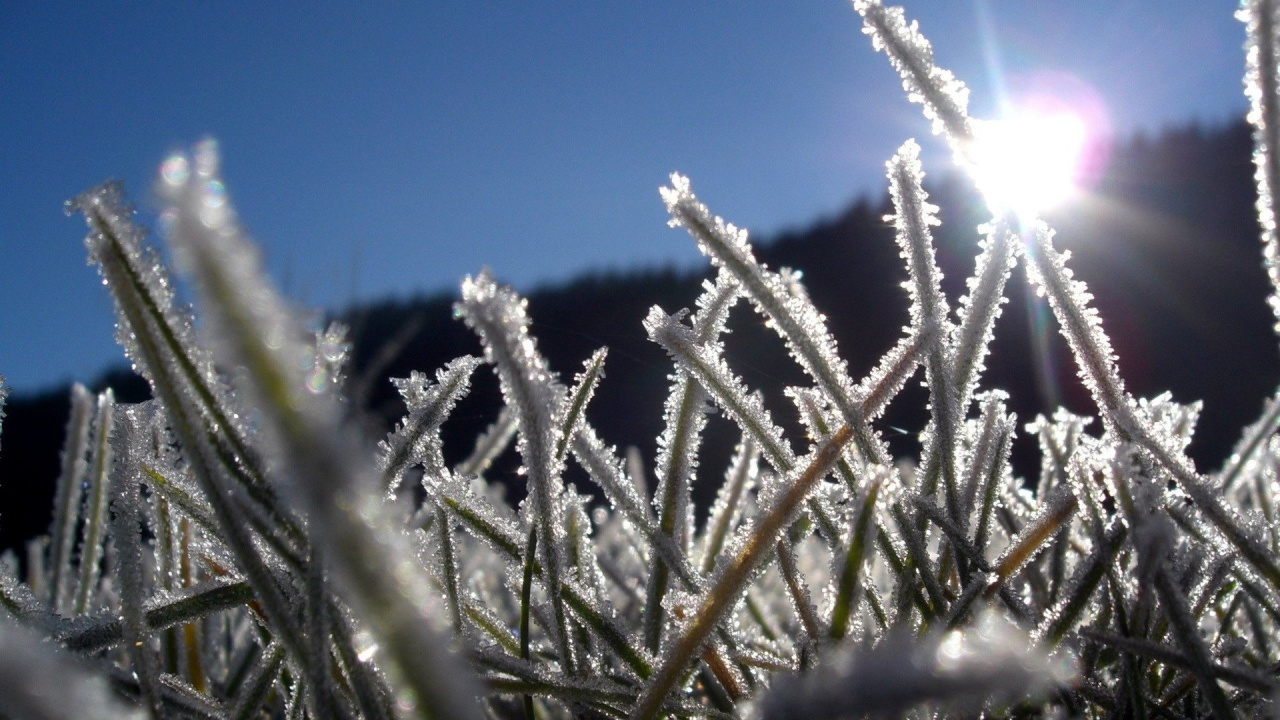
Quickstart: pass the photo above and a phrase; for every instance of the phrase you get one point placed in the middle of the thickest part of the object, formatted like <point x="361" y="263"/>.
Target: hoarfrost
<point x="75" y="463"/>
<point x="792" y="316"/>
<point x="416" y="439"/>
<point x="1262" y="73"/>
<point x="713" y="373"/>
<point x="207" y="590"/>
<point x="945" y="98"/>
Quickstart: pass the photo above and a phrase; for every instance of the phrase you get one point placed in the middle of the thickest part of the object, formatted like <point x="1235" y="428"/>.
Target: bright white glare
<point x="1028" y="161"/>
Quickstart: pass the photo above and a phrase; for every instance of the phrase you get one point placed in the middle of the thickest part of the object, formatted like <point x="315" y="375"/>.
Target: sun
<point x="1028" y="160"/>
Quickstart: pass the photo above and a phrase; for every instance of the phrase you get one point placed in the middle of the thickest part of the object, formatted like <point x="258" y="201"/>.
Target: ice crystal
<point x="330" y="354"/>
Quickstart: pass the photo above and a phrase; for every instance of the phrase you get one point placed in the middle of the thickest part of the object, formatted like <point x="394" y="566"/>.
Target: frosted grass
<point x="210" y="561"/>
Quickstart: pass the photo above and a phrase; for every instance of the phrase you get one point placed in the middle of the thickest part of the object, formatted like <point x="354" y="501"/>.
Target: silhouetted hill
<point x="1167" y="242"/>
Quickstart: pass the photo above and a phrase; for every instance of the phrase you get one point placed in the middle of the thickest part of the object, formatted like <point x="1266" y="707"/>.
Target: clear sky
<point x="379" y="151"/>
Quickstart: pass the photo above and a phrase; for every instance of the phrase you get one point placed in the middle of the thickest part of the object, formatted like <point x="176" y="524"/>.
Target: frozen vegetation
<point x="232" y="549"/>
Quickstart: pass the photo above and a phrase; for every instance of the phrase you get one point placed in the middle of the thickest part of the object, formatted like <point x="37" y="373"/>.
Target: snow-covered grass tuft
<point x="234" y="549"/>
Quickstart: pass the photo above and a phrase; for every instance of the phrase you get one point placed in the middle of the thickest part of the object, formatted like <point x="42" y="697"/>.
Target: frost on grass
<point x="980" y="308"/>
<point x="790" y="314"/>
<point x="1081" y="325"/>
<point x="678" y="449"/>
<point x="144" y="298"/>
<point x="236" y="549"/>
<point x="944" y="97"/>
<point x="1262" y="73"/>
<point x="416" y="441"/>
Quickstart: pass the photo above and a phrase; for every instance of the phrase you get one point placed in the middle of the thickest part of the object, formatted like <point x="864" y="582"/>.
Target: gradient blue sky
<point x="391" y="150"/>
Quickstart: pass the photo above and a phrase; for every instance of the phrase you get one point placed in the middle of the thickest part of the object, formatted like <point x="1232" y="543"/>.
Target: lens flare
<point x="1029" y="160"/>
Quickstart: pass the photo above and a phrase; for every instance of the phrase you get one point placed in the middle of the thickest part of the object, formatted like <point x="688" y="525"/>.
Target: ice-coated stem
<point x="1069" y="299"/>
<point x="69" y="492"/>
<point x="526" y="588"/>
<point x="226" y="521"/>
<point x="1092" y="349"/>
<point x="849" y="586"/>
<point x="498" y="316"/>
<point x="106" y="630"/>
<point x="1054" y="512"/>
<point x="1255" y="437"/>
<point x="573" y="413"/>
<point x="1262" y="87"/>
<point x="361" y="539"/>
<point x="792" y="316"/>
<point x="726" y="510"/>
<point x="929" y="317"/>
<point x="135" y="277"/>
<point x="247" y="702"/>
<point x="126" y="531"/>
<point x="980" y="308"/>
<point x="428" y="405"/>
<point x="95" y="519"/>
<point x="678" y="451"/>
<point x="713" y="374"/>
<point x="732" y="578"/>
<point x="944" y="98"/>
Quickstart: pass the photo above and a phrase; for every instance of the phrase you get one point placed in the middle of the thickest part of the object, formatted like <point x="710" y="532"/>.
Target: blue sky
<point x="392" y="150"/>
